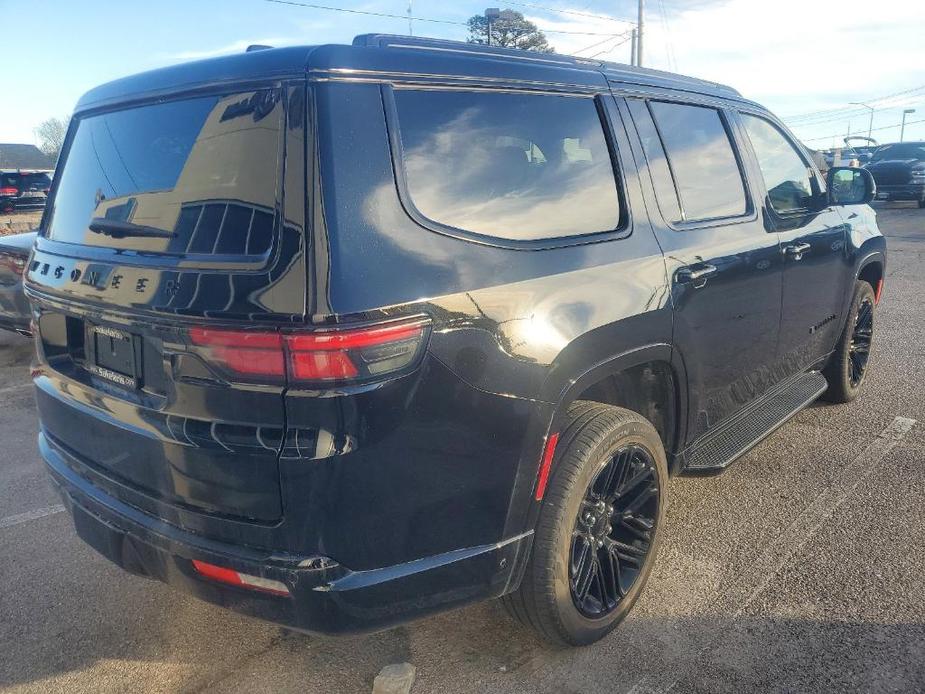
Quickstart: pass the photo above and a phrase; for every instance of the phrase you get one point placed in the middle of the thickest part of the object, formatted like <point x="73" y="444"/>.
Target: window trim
<point x="396" y="150"/>
<point x="816" y="180"/>
<point x="750" y="213"/>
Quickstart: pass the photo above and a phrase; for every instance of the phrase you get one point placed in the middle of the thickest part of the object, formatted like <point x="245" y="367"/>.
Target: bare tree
<point x="510" y="30"/>
<point x="51" y="133"/>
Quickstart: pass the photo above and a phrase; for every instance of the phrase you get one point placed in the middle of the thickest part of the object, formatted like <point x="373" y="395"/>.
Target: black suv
<point x="340" y="336"/>
<point x="22" y="190"/>
<point x="899" y="170"/>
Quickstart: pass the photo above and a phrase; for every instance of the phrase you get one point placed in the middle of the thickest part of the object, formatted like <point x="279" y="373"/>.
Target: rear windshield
<point x="197" y="176"/>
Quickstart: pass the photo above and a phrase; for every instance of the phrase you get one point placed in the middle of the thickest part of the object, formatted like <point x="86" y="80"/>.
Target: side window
<point x="665" y="190"/>
<point x="513" y="166"/>
<point x="702" y="160"/>
<point x="786" y="174"/>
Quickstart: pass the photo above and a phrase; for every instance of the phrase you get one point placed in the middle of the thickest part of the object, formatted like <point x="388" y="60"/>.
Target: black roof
<point x="373" y="56"/>
<point x="16" y="156"/>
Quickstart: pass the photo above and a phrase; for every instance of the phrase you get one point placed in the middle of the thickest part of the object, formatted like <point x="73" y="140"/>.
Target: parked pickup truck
<point x="341" y="336"/>
<point x="899" y="170"/>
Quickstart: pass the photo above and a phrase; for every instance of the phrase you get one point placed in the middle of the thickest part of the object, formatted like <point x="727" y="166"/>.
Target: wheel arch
<point x="872" y="269"/>
<point x="649" y="380"/>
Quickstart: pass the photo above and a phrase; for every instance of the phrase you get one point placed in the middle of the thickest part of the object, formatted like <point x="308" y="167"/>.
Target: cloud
<point x="795" y="56"/>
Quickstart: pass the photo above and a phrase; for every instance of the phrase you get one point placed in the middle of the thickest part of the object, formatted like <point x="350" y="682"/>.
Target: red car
<point x="20" y="190"/>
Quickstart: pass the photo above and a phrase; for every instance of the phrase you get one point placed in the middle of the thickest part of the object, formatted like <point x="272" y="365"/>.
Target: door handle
<point x="698" y="277"/>
<point x="796" y="251"/>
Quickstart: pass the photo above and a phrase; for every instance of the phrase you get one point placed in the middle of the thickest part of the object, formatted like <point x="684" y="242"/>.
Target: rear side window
<point x="514" y="166"/>
<point x="702" y="160"/>
<point x="197" y="176"/>
<point x="786" y="174"/>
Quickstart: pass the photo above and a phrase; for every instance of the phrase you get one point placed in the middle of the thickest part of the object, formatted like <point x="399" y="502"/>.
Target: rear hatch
<point x="168" y="217"/>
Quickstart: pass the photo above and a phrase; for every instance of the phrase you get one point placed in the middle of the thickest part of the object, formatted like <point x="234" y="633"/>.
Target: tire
<point x="600" y="448"/>
<point x="848" y="365"/>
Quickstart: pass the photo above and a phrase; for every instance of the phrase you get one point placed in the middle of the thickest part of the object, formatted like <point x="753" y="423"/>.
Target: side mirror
<point x="850" y="186"/>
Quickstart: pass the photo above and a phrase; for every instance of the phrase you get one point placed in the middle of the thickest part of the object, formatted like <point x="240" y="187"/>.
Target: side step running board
<point x="717" y="449"/>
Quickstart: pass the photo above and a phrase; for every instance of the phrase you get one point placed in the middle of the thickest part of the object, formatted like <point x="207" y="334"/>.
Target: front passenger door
<point x="817" y="266"/>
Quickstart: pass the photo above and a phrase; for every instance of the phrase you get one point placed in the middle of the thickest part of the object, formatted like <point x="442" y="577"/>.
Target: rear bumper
<point x="326" y="597"/>
<point x="23" y="202"/>
<point x="909" y="191"/>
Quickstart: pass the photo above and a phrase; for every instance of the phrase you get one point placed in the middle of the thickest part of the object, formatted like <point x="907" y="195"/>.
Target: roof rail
<point x="611" y="70"/>
<point x="424" y="43"/>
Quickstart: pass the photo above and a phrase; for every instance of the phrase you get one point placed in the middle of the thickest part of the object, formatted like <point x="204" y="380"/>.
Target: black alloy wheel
<point x="861" y="339"/>
<point x="613" y="531"/>
<point x="599" y="526"/>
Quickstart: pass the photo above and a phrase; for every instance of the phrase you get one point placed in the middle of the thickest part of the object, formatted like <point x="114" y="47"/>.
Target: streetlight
<point x="870" y="128"/>
<point x="494" y="13"/>
<point x="902" y="131"/>
<point x="490" y="14"/>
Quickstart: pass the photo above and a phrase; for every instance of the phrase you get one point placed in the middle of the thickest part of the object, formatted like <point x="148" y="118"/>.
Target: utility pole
<point x="902" y="131"/>
<point x="410" y="20"/>
<point x="870" y="128"/>
<point x="639" y="31"/>
<point x="633" y="46"/>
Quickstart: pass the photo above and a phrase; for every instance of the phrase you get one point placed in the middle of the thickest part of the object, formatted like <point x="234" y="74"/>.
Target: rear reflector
<point x="236" y="578"/>
<point x="341" y="355"/>
<point x="878" y="291"/>
<point x="545" y="464"/>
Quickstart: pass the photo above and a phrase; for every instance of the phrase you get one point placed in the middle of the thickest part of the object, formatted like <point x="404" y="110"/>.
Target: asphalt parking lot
<point x="798" y="569"/>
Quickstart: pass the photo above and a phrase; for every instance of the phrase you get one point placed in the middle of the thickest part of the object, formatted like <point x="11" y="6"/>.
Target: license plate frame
<point x="114" y="355"/>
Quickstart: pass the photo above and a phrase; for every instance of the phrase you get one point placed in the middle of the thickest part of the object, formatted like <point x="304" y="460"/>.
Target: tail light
<point x="323" y="356"/>
<point x="9" y="191"/>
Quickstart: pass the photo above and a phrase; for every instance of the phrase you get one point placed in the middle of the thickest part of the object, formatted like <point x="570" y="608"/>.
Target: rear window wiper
<point x="118" y="229"/>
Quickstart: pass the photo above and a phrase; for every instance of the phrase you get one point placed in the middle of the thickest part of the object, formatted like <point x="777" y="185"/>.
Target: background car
<point x="14" y="308"/>
<point x="899" y="170"/>
<point x="20" y="190"/>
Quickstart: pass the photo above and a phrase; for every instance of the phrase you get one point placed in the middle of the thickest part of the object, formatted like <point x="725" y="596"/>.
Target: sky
<point x="806" y="60"/>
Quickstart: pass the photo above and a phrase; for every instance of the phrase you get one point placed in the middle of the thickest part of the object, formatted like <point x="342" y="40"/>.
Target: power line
<point x="810" y="114"/>
<point x="885" y="127"/>
<point x="600" y="43"/>
<point x="387" y="15"/>
<point x="572" y="12"/>
<point x="848" y="115"/>
<point x="669" y="44"/>
<point x="405" y="18"/>
<point x="612" y="48"/>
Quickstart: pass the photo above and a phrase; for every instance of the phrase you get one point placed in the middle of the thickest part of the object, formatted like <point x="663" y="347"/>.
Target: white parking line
<point x="20" y="518"/>
<point x="752" y="582"/>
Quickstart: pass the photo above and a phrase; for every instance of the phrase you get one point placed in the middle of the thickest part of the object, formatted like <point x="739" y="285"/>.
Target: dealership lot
<point x="798" y="568"/>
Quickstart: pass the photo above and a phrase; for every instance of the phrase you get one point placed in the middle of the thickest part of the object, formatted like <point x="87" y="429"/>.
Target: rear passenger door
<point x="725" y="268"/>
<point x="817" y="266"/>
